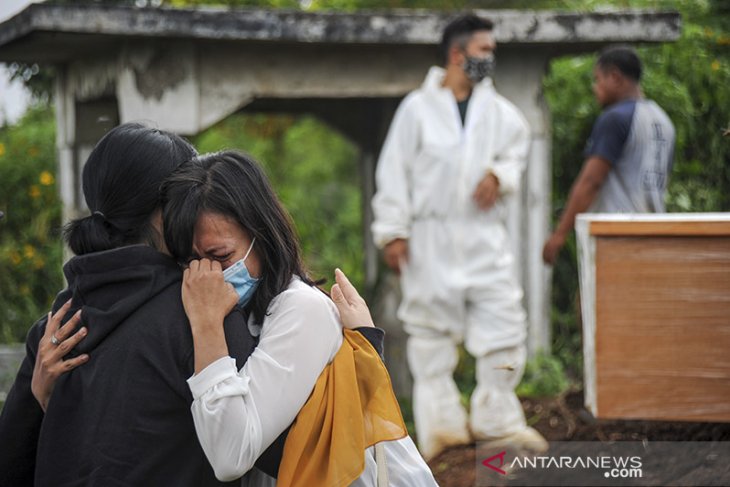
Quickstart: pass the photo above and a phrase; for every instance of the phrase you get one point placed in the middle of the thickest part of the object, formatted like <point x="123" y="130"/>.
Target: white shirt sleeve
<point x="238" y="414"/>
<point x="392" y="202"/>
<point x="510" y="157"/>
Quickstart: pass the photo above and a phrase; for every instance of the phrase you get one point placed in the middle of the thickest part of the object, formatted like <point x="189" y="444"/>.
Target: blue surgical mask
<point x="237" y="275"/>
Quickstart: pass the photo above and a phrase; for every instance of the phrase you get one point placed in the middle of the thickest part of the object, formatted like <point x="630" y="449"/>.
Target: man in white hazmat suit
<point x="454" y="148"/>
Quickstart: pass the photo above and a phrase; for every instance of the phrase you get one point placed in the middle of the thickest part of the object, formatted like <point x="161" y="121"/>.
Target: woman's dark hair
<point x="121" y="182"/>
<point x="234" y="185"/>
<point x="623" y="58"/>
<point x="460" y="30"/>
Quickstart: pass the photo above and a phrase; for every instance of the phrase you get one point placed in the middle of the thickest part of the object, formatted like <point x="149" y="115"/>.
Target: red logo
<point x="500" y="456"/>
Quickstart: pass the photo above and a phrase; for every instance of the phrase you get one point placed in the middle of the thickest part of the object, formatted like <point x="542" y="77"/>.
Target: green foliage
<point x="39" y="81"/>
<point x="314" y="170"/>
<point x="465" y="376"/>
<point x="544" y="376"/>
<point x="30" y="248"/>
<point x="691" y="79"/>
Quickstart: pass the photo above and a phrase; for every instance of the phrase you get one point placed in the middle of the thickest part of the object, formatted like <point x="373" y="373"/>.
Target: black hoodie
<point x="123" y="418"/>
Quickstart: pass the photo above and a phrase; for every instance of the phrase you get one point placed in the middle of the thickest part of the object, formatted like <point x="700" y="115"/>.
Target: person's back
<point x="638" y="180"/>
<point x="124" y="417"/>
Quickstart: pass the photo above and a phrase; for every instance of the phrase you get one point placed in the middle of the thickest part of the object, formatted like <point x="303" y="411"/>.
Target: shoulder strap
<point x="381" y="464"/>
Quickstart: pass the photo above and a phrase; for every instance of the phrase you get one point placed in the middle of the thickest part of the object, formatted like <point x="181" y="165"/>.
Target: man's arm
<point x="510" y="159"/>
<point x="582" y="194"/>
<point x="392" y="202"/>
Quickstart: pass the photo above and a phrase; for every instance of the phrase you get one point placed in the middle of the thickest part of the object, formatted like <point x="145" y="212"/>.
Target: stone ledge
<point x="396" y="27"/>
<point x="10" y="358"/>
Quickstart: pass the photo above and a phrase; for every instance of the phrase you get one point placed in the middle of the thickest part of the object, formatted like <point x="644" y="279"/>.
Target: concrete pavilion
<point x="187" y="69"/>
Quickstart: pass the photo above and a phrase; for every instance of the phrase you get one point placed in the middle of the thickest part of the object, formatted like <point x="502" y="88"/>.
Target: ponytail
<point x="88" y="234"/>
<point x="121" y="181"/>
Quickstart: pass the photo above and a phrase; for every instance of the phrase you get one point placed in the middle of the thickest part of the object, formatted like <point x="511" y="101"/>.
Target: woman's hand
<point x="54" y="345"/>
<point x="207" y="299"/>
<point x="354" y="312"/>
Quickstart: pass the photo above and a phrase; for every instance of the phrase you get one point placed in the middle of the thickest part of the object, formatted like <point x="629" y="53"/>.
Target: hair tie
<point x="98" y="213"/>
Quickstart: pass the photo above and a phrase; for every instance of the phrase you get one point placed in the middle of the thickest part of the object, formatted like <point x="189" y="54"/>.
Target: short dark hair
<point x="460" y="31"/>
<point x="121" y="182"/>
<point x="233" y="184"/>
<point x="623" y="58"/>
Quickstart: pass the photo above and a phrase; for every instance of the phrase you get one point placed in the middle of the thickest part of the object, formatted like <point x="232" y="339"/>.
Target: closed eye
<point x="221" y="258"/>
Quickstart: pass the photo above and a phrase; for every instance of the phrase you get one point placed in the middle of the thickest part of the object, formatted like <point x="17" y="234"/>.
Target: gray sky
<point x="13" y="96"/>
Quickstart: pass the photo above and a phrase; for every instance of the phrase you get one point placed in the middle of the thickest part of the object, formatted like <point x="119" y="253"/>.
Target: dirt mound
<point x="564" y="419"/>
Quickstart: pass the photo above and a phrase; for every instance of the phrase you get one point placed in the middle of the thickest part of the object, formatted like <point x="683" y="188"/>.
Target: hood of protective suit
<point x="109" y="286"/>
<point x="435" y="78"/>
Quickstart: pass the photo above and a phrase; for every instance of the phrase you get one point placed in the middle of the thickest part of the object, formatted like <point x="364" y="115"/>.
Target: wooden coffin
<point x="655" y="298"/>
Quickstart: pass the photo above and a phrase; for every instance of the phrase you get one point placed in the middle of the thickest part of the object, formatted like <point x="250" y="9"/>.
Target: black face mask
<point x="478" y="68"/>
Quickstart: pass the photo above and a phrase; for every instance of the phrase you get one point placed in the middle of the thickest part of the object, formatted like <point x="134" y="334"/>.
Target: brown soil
<point x="564" y="419"/>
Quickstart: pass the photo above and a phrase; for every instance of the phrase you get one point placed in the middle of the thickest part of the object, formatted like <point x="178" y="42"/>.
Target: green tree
<point x="30" y="245"/>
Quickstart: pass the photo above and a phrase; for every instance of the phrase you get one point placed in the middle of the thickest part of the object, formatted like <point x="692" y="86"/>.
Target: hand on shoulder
<point x="354" y="312"/>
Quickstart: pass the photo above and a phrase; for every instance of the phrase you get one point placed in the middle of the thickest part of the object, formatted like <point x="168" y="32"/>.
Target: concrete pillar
<point x="519" y="78"/>
<point x="538" y="278"/>
<point x="367" y="178"/>
<point x="68" y="184"/>
<point x="80" y="123"/>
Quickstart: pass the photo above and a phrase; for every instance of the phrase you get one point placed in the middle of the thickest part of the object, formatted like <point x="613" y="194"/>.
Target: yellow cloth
<point x="351" y="408"/>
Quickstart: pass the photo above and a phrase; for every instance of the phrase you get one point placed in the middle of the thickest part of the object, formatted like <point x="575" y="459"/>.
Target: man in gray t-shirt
<point x="629" y="155"/>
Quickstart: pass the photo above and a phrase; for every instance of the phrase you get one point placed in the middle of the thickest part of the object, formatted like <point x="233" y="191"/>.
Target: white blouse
<point x="238" y="414"/>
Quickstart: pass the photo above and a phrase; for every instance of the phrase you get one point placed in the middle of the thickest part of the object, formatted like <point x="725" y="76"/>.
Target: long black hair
<point x="121" y="182"/>
<point x="234" y="185"/>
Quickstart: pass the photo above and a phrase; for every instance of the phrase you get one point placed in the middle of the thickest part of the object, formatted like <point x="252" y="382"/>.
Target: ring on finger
<point x="54" y="340"/>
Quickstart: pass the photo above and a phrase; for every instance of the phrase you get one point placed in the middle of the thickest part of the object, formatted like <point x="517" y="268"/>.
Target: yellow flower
<point x="34" y="191"/>
<point x="2" y="149"/>
<point x="46" y="178"/>
<point x="28" y="251"/>
<point x="715" y="65"/>
<point x="16" y="258"/>
<point x="39" y="263"/>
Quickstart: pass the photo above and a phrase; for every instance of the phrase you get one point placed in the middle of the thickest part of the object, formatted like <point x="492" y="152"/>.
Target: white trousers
<point x="460" y="286"/>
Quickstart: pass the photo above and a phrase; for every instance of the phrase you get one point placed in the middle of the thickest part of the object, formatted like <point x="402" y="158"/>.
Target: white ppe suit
<point x="459" y="283"/>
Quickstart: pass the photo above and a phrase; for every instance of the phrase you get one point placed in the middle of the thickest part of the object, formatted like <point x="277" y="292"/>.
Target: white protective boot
<point x="440" y="419"/>
<point x="496" y="412"/>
